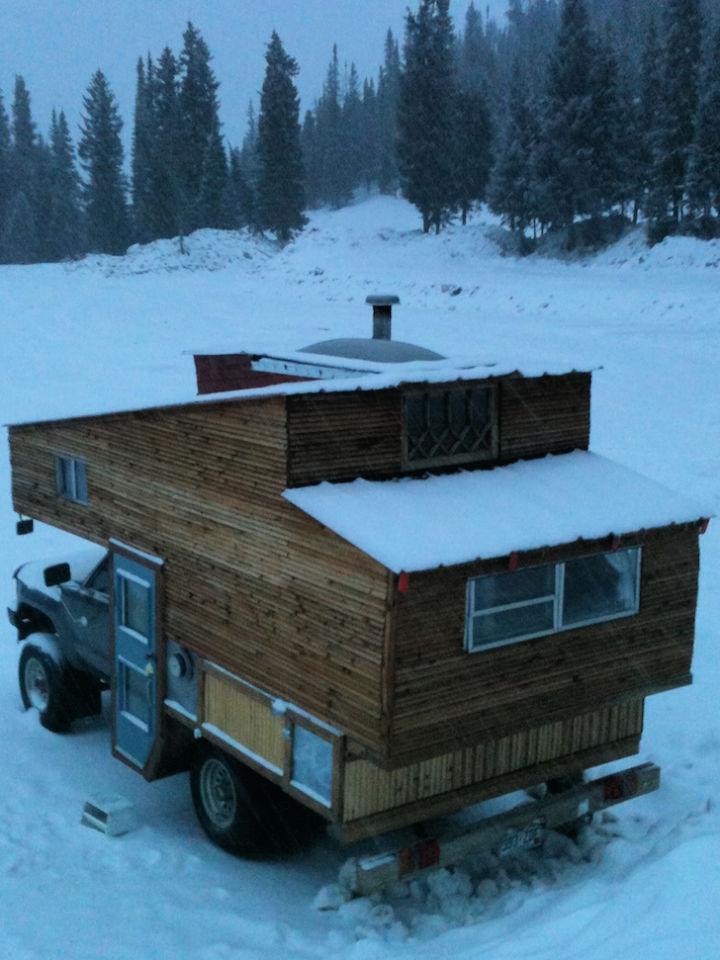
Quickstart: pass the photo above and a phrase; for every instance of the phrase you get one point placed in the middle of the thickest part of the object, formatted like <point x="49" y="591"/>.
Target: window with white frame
<point x="536" y="601"/>
<point x="71" y="479"/>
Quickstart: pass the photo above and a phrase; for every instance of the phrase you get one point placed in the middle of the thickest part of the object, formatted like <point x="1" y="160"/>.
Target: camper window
<point x="449" y="426"/>
<point x="71" y="479"/>
<point x="536" y="601"/>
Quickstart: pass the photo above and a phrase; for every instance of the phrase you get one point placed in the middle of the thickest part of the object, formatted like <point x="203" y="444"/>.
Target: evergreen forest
<point x="573" y="118"/>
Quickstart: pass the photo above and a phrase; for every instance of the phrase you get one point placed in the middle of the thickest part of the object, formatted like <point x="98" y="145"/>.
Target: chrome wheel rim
<point x="37" y="684"/>
<point x="217" y="792"/>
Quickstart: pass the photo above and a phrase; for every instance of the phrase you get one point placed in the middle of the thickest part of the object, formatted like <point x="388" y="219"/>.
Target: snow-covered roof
<point x="335" y="375"/>
<point x="419" y="524"/>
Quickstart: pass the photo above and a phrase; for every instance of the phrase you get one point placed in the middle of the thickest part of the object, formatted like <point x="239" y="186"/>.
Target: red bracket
<point x="703" y="525"/>
<point x="403" y="582"/>
<point x="513" y="562"/>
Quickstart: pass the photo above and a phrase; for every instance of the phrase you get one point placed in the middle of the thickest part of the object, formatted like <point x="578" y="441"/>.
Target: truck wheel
<point x="243" y="812"/>
<point x="42" y="686"/>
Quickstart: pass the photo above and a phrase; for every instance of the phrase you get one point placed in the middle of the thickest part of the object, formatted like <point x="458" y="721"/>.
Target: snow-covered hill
<point x="111" y="332"/>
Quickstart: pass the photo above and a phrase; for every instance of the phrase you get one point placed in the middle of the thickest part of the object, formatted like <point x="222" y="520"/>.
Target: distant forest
<point x="573" y="118"/>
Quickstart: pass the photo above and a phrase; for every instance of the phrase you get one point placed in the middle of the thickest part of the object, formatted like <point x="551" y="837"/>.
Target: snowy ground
<point x="112" y="331"/>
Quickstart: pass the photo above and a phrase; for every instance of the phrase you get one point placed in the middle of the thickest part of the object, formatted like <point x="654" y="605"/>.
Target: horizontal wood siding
<point x="544" y="415"/>
<point x="445" y="697"/>
<point x="252" y="583"/>
<point x="340" y="436"/>
<point x="248" y="719"/>
<point x="369" y="789"/>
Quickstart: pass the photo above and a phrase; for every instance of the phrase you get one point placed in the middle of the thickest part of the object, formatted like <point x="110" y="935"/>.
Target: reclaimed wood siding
<point x="445" y="697"/>
<point x="369" y="789"/>
<point x="252" y="583"/>
<point x="542" y="415"/>
<point x="340" y="436"/>
<point x="246" y="718"/>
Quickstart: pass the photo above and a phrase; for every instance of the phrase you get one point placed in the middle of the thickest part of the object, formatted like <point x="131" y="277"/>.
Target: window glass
<point x="448" y="425"/>
<point x="312" y="763"/>
<point x="100" y="580"/>
<point x="135" y="609"/>
<point x="600" y="586"/>
<point x="71" y="479"/>
<point x="528" y="584"/>
<point x="529" y="619"/>
<point x="80" y="482"/>
<point x="136" y="694"/>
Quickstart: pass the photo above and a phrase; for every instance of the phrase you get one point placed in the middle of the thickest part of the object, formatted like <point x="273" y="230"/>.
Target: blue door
<point x="135" y="625"/>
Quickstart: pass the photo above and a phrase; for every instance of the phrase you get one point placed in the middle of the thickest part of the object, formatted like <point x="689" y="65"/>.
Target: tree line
<point x="576" y="116"/>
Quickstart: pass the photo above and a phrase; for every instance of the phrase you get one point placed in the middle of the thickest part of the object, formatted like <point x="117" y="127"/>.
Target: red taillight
<point x="418" y="857"/>
<point x="403" y="582"/>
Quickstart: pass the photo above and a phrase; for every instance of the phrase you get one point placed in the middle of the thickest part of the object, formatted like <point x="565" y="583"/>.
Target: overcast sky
<point x="58" y="44"/>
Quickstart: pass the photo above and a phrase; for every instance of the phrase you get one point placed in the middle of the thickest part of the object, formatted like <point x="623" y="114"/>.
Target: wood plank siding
<point x="445" y="697"/>
<point x="248" y="719"/>
<point x="340" y="436"/>
<point x="370" y="790"/>
<point x="251" y="583"/>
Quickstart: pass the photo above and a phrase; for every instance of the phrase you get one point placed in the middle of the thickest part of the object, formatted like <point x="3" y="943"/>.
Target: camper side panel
<point x="341" y="436"/>
<point x="446" y="697"/>
<point x="251" y="583"/>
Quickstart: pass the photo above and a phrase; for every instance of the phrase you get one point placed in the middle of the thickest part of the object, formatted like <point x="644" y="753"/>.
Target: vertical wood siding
<point x="369" y="789"/>
<point x="246" y="718"/>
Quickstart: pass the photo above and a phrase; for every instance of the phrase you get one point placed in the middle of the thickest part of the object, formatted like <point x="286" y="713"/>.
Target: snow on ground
<point x="647" y="882"/>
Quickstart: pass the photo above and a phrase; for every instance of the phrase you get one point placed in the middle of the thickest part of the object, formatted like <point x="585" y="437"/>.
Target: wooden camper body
<point x="295" y="628"/>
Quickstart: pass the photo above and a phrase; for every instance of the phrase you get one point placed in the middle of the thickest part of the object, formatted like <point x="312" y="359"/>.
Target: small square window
<point x="449" y="426"/>
<point x="312" y="764"/>
<point x="71" y="479"/>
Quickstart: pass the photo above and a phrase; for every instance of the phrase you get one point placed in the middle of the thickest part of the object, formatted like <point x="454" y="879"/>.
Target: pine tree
<point x="65" y="221"/>
<point x="566" y="162"/>
<point x="426" y="120"/>
<point x="388" y="95"/>
<point x="335" y="178"/>
<point x="101" y="153"/>
<point x="280" y="198"/>
<point x="473" y="149"/>
<point x="24" y="176"/>
<point x="675" y="132"/>
<point x="312" y="161"/>
<point x="5" y="158"/>
<point x="199" y="120"/>
<point x="510" y="192"/>
<point x="166" y="193"/>
<point x="369" y="171"/>
<point x="650" y="104"/>
<point x="703" y="180"/>
<point x="352" y="130"/>
<point x="610" y="148"/>
<point x="18" y="238"/>
<point x="142" y="151"/>
<point x="239" y="200"/>
<point x="214" y="182"/>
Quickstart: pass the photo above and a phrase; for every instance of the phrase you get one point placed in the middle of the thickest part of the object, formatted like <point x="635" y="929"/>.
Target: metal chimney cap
<point x="382" y="299"/>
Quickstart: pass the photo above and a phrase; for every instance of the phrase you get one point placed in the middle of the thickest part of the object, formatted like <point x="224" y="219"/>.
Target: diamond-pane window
<point x="450" y="426"/>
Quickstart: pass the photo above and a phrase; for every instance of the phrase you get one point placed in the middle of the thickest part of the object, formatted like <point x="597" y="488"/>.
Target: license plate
<point x="524" y="838"/>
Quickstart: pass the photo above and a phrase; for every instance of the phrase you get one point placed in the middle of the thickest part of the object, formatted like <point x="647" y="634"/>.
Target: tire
<point x="43" y="687"/>
<point x="243" y="812"/>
